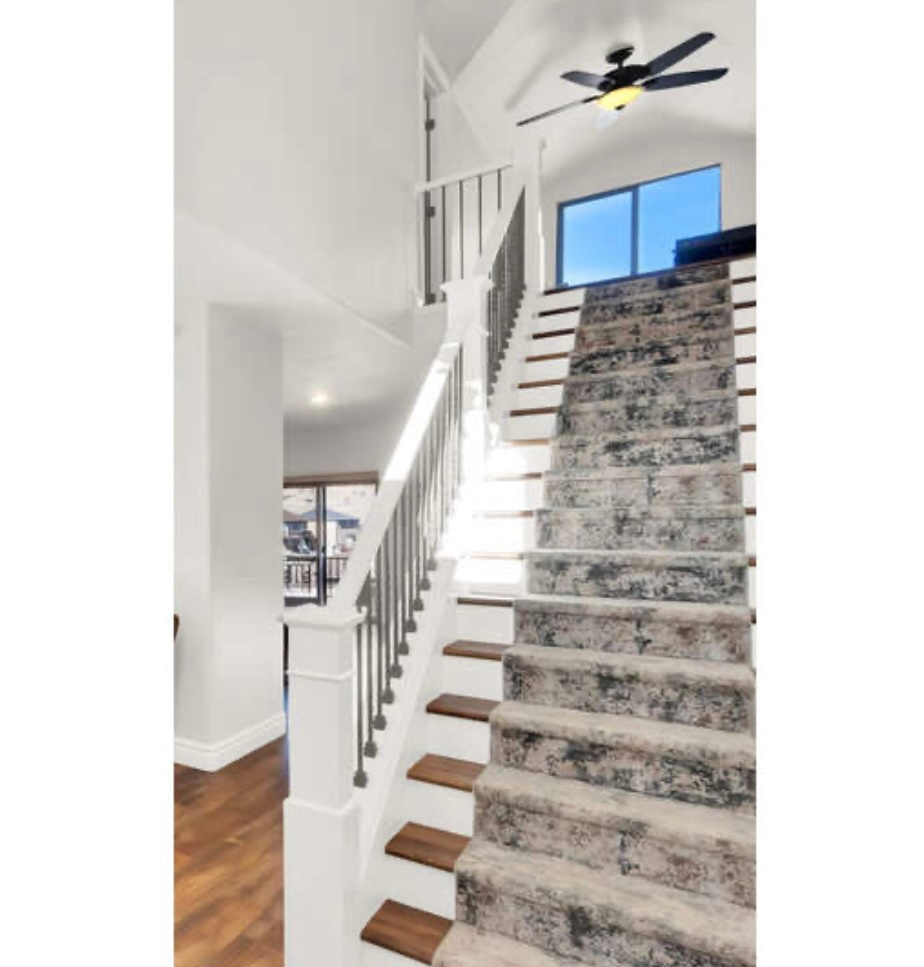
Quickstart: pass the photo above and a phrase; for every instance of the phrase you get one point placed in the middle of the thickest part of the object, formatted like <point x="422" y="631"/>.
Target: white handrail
<point x="422" y="186"/>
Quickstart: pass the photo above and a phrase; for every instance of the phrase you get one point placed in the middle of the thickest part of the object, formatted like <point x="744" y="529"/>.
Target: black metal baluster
<point x="383" y="690"/>
<point x="359" y="776"/>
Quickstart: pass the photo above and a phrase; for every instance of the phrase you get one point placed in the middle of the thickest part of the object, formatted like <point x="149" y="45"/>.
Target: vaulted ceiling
<point x="516" y="73"/>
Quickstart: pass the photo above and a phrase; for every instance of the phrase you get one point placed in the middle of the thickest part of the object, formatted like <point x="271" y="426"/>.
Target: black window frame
<point x="633" y="190"/>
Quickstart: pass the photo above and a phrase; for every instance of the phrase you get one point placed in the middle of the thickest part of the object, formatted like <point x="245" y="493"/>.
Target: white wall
<point x="350" y="448"/>
<point x="655" y="159"/>
<point x="228" y="579"/>
<point x="298" y="133"/>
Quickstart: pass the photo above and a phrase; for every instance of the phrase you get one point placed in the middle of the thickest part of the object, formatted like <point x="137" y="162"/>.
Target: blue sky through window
<point x="598" y="239"/>
<point x="672" y="208"/>
<point x="596" y="234"/>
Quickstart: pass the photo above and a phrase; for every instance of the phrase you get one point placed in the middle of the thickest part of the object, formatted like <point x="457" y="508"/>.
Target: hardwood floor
<point x="228" y="862"/>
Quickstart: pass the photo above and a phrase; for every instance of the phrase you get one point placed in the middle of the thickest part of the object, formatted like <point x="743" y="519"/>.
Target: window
<point x="635" y="229"/>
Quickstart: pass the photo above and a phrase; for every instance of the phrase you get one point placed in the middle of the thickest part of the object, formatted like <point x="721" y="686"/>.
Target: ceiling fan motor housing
<point x="619" y="53"/>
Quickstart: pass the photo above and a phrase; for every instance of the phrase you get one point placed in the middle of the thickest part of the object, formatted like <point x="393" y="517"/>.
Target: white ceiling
<point x="516" y="73"/>
<point x="455" y="29"/>
<point x="358" y="363"/>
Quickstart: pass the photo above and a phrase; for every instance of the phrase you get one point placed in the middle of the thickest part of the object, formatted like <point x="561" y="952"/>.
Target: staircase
<point x="603" y="812"/>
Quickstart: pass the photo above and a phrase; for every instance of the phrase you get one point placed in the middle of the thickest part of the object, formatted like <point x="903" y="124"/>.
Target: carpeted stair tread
<point x="651" y="575"/>
<point x="700" y="827"/>
<point x="713" y="632"/>
<point x="652" y="435"/>
<point x="465" y="946"/>
<point x="708" y="694"/>
<point x="608" y="729"/>
<point x="602" y="918"/>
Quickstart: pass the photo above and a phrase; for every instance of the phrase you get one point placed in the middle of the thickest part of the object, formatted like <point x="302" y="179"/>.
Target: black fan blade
<point x="556" y="110"/>
<point x="678" y="53"/>
<point x="588" y="80"/>
<point x="684" y="79"/>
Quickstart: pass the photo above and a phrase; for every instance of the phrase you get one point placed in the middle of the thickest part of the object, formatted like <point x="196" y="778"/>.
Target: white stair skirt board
<point x="743" y="267"/>
<point x="532" y="427"/>
<point x="551" y="344"/>
<point x="210" y="757"/>
<point x="533" y="370"/>
<point x="475" y="622"/>
<point x="474" y="677"/>
<point x="487" y="576"/>
<point x="417" y="885"/>
<point x="511" y="495"/>
<point x="504" y="533"/>
<point x="458" y="738"/>
<point x="538" y="396"/>
<point x="745" y="292"/>
<point x="561" y="300"/>
<point x="561" y="320"/>
<point x="507" y="460"/>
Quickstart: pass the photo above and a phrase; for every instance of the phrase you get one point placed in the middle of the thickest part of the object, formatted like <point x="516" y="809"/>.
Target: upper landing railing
<point x="455" y="215"/>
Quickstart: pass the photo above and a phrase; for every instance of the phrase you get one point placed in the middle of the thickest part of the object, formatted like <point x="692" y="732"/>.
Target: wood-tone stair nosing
<point x="462" y="707"/>
<point x="464" y="648"/>
<point x="485" y="600"/>
<point x="405" y="930"/>
<point x="444" y="770"/>
<point x="428" y="846"/>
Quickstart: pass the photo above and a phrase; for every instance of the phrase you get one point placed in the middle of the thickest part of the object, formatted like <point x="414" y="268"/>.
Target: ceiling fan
<point x="625" y="82"/>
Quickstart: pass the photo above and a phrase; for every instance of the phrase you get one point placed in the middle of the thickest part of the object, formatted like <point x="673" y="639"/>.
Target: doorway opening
<point x="321" y="519"/>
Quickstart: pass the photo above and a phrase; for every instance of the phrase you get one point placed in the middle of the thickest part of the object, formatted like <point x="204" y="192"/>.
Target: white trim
<point x="320" y="676"/>
<point x="488" y="169"/>
<point x="210" y="757"/>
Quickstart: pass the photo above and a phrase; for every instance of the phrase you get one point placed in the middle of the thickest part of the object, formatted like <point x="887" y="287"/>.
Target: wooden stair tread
<point x="552" y="333"/>
<point x="443" y="770"/>
<point x="406" y="930"/>
<point x="558" y="312"/>
<point x="427" y="845"/>
<point x="535" y="411"/>
<point x="504" y="514"/>
<point x="547" y="356"/>
<point x="533" y="442"/>
<point x="513" y="477"/>
<point x="462" y="707"/>
<point x="488" y="650"/>
<point x="539" y="383"/>
<point x="486" y="600"/>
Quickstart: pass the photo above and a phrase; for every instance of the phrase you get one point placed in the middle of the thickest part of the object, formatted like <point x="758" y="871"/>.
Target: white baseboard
<point x="210" y="757"/>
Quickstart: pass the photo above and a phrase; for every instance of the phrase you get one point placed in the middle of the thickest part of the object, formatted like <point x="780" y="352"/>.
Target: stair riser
<point x="644" y="633"/>
<point x="651" y="490"/>
<point x="634" y="384"/>
<point x="588" y="934"/>
<point x="678" y="303"/>
<point x="701" y="703"/>
<point x="625" y="848"/>
<point x="649" y="413"/>
<point x="666" y="773"/>
<point x="474" y="677"/>
<point x="484" y="623"/>
<point x="599" y="356"/>
<point x="601" y="530"/>
<point x="570" y="453"/>
<point x="630" y="289"/>
<point x="711" y="584"/>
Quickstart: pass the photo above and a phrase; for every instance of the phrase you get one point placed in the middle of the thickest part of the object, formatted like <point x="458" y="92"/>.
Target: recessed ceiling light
<point x="320" y="398"/>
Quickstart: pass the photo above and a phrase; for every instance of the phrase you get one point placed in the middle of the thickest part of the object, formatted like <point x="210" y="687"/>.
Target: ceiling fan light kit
<point x="623" y="84"/>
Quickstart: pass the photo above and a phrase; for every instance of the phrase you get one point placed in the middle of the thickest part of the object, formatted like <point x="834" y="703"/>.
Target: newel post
<point x="528" y="154"/>
<point x="320" y="816"/>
